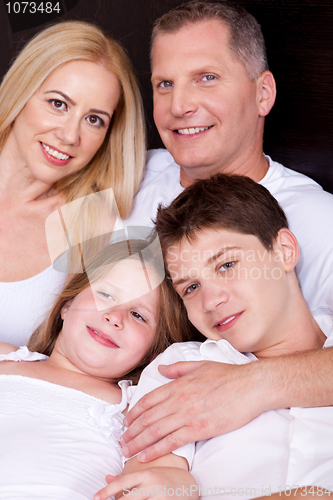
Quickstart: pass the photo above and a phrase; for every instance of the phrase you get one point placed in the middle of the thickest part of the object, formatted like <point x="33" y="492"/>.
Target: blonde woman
<point x="71" y="124"/>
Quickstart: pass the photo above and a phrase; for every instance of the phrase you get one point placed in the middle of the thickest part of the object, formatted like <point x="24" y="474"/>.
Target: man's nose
<point x="184" y="101"/>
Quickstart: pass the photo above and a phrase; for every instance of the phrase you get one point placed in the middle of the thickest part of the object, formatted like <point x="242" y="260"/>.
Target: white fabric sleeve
<point x="151" y="379"/>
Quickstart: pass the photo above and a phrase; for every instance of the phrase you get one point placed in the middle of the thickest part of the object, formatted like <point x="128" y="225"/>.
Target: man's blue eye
<point x="165" y="84"/>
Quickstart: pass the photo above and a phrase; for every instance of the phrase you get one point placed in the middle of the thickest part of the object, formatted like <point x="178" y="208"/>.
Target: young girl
<point x="62" y="407"/>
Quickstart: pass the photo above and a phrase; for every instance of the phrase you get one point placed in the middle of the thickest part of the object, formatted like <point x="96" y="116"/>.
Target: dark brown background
<point x="299" y="38"/>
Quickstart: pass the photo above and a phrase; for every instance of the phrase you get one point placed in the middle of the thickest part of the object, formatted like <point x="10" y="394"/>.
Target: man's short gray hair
<point x="245" y="36"/>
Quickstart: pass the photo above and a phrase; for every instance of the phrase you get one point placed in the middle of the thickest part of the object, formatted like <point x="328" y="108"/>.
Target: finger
<point x="154" y="433"/>
<point x="123" y="483"/>
<point x="165" y="446"/>
<point x="179" y="369"/>
<point x="147" y="402"/>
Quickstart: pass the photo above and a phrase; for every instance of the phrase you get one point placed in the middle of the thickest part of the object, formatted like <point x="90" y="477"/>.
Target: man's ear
<point x="287" y="243"/>
<point x="266" y="92"/>
<point x="65" y="308"/>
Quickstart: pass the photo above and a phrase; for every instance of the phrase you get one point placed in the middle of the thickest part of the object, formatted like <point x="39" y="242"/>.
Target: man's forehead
<point x="192" y="31"/>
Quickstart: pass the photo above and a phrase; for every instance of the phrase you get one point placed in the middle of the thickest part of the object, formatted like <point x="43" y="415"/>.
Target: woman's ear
<point x="266" y="92"/>
<point x="288" y="246"/>
<point x="65" y="308"/>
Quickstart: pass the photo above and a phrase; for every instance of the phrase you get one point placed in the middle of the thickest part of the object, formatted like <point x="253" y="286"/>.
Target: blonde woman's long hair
<point x="119" y="162"/>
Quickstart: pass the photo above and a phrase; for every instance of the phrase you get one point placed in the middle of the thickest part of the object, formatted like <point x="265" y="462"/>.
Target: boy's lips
<point x="227" y="322"/>
<point x="101" y="337"/>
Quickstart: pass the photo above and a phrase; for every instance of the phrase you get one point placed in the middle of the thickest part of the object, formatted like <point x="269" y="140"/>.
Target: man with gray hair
<point x="212" y="90"/>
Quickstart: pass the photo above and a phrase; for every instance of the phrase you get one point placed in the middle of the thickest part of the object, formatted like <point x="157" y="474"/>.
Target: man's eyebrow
<point x="217" y="255"/>
<point x="70" y="100"/>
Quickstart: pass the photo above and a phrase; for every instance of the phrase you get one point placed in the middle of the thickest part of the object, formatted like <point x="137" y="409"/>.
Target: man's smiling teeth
<point x="227" y="320"/>
<point x="55" y="153"/>
<point x="187" y="131"/>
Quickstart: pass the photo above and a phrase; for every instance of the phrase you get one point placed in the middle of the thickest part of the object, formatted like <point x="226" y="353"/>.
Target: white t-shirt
<point x="308" y="207"/>
<point x="279" y="449"/>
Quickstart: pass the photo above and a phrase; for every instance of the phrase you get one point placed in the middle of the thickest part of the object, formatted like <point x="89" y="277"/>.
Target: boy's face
<point x="232" y="287"/>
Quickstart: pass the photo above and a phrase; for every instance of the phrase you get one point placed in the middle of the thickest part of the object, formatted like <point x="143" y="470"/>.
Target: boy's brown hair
<point x="222" y="201"/>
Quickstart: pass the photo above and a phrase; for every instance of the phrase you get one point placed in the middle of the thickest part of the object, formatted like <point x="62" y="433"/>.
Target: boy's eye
<point x="136" y="315"/>
<point x="226" y="266"/>
<point x="105" y="295"/>
<point x="191" y="289"/>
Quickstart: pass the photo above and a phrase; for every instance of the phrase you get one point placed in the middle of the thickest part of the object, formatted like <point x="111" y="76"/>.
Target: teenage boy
<point x="231" y="259"/>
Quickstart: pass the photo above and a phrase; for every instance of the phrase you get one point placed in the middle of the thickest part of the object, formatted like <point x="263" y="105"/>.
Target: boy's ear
<point x="288" y="245"/>
<point x="266" y="92"/>
<point x="65" y="308"/>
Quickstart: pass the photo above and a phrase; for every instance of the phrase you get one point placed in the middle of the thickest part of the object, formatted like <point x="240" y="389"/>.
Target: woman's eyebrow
<point x="65" y="96"/>
<point x="70" y="100"/>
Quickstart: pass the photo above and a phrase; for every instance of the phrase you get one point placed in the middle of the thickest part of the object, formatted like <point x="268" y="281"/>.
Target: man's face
<point x="206" y="109"/>
<point x="233" y="288"/>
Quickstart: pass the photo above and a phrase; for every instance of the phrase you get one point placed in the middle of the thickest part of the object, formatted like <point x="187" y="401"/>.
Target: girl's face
<point x="64" y="123"/>
<point x="110" y="325"/>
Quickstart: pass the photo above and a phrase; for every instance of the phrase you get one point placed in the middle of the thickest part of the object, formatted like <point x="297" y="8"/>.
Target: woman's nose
<point x="69" y="132"/>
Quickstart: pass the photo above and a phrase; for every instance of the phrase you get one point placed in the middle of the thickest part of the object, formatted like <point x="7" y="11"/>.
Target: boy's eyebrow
<point x="211" y="260"/>
<point x="221" y="252"/>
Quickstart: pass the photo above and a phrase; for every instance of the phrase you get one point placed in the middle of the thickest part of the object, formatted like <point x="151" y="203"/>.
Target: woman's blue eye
<point x="138" y="316"/>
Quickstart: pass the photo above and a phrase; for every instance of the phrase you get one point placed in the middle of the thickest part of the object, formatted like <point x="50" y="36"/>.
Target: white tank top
<point x="24" y="304"/>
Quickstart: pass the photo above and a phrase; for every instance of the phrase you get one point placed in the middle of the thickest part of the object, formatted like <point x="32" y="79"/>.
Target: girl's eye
<point x="57" y="104"/>
<point x="226" y="266"/>
<point x="191" y="289"/>
<point x="105" y="295"/>
<point x="138" y="316"/>
<point x="95" y="120"/>
<point x="209" y="78"/>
